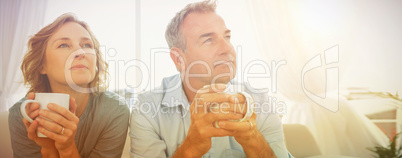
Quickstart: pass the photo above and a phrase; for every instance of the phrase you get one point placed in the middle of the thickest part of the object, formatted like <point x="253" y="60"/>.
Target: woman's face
<point x="66" y="61"/>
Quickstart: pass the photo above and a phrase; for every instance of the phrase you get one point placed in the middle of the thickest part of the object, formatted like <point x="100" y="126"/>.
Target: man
<point x="192" y="115"/>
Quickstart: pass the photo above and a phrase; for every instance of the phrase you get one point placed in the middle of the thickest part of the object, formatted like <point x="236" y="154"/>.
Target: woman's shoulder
<point x="16" y="106"/>
<point x="109" y="96"/>
<point x="110" y="100"/>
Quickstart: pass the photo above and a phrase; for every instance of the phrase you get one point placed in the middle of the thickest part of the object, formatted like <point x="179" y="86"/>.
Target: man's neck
<point x="190" y="88"/>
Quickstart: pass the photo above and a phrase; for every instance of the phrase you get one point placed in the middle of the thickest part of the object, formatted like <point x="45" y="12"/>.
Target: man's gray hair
<point x="173" y="33"/>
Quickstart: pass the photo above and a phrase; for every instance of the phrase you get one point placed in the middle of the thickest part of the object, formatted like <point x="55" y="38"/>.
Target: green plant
<point x="390" y="151"/>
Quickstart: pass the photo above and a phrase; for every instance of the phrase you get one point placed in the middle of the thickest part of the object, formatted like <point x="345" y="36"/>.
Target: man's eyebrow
<point x="211" y="33"/>
<point x="206" y="34"/>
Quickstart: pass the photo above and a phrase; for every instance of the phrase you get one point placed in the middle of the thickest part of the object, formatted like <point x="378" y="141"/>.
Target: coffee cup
<point x="236" y="89"/>
<point x="43" y="99"/>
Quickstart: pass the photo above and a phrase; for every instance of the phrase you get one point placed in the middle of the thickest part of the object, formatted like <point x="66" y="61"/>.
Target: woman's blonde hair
<point x="33" y="61"/>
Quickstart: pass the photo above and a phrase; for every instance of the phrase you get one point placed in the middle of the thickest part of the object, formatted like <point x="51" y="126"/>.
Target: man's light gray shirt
<point x="161" y="119"/>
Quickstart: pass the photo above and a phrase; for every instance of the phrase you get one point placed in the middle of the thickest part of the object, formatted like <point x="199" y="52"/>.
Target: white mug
<point x="233" y="89"/>
<point x="44" y="99"/>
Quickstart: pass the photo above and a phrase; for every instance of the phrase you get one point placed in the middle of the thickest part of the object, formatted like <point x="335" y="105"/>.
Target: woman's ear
<point x="177" y="56"/>
<point x="43" y="71"/>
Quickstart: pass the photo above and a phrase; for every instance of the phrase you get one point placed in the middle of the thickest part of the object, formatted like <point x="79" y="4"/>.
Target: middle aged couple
<point x="199" y="112"/>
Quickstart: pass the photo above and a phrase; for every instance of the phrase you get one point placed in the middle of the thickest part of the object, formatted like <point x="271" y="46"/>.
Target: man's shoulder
<point x="256" y="93"/>
<point x="151" y="96"/>
<point x="168" y="84"/>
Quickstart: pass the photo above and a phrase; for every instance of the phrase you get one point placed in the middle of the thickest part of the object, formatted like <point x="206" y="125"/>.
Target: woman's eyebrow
<point x="86" y="38"/>
<point x="61" y="39"/>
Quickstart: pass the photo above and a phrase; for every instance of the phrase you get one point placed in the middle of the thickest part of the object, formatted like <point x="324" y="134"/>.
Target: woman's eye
<point x="87" y="46"/>
<point x="63" y="46"/>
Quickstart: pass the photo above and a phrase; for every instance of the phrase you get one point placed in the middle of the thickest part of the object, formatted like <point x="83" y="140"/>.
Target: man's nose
<point x="225" y="47"/>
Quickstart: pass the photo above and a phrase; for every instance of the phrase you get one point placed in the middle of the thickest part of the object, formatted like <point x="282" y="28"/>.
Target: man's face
<point x="208" y="48"/>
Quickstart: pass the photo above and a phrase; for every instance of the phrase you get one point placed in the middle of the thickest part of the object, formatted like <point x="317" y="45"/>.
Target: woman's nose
<point x="79" y="53"/>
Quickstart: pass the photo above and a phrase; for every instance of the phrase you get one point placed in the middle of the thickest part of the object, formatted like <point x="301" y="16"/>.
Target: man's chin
<point x="222" y="80"/>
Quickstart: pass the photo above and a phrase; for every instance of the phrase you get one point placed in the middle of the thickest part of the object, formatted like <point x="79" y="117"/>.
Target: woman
<point x="64" y="57"/>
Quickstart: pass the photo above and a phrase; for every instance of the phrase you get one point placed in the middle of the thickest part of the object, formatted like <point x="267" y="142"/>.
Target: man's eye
<point x="63" y="46"/>
<point x="208" y="40"/>
<point x="228" y="37"/>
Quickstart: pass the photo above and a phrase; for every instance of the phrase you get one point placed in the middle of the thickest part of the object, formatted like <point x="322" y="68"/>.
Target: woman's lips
<point x="79" y="67"/>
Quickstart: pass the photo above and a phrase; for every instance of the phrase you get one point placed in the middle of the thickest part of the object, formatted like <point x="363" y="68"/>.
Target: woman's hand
<point x="62" y="128"/>
<point x="33" y="112"/>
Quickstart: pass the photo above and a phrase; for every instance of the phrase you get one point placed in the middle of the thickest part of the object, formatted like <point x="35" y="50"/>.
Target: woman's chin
<point x="83" y="79"/>
<point x="84" y="83"/>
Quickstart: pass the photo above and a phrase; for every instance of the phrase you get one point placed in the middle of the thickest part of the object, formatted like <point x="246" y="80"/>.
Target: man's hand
<point x="242" y="131"/>
<point x="212" y="107"/>
<point x="247" y="134"/>
<point x="198" y="140"/>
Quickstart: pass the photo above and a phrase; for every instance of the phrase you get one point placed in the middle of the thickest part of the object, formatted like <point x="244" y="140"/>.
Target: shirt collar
<point x="174" y="95"/>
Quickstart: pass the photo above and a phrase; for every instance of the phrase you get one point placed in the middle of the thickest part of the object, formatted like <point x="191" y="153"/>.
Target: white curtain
<point x="20" y="19"/>
<point x="313" y="38"/>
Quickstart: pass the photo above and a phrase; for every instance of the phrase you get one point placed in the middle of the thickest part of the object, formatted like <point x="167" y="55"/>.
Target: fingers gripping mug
<point x="249" y="101"/>
<point x="43" y="99"/>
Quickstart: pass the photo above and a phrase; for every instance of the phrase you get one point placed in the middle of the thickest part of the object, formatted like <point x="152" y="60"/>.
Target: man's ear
<point x="177" y="56"/>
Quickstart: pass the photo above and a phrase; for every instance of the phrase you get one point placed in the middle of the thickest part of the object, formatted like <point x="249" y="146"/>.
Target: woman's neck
<point x="81" y="99"/>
